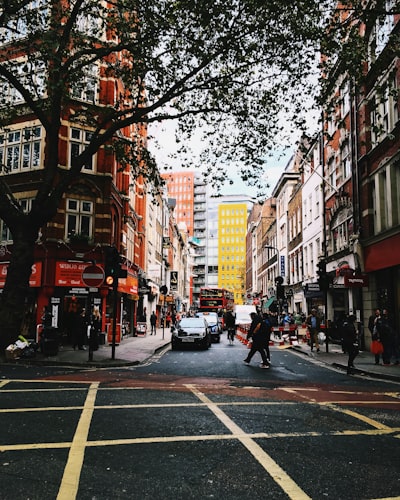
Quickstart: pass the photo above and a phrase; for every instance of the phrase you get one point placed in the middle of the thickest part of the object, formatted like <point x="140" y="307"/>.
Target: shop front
<point x="71" y="296"/>
<point x="128" y="299"/>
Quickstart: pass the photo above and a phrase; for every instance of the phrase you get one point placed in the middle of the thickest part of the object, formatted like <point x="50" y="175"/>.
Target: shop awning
<point x="267" y="304"/>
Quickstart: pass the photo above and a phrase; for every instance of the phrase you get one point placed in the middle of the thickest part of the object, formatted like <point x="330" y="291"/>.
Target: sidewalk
<point x="364" y="362"/>
<point x="135" y="350"/>
<point x="131" y="351"/>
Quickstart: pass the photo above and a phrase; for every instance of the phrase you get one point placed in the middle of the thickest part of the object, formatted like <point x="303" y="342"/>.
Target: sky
<point x="273" y="170"/>
<point x="275" y="165"/>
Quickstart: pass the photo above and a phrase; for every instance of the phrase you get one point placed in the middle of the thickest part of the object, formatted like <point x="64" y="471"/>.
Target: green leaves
<point x="242" y="73"/>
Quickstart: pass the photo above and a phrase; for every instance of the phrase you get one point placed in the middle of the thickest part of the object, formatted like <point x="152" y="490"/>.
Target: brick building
<point x="104" y="205"/>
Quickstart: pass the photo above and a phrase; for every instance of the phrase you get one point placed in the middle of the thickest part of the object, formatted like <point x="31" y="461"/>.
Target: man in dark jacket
<point x="229" y="322"/>
<point x="267" y="329"/>
<point x="258" y="336"/>
<point x="313" y="324"/>
<point x="153" y="323"/>
<point x="350" y="341"/>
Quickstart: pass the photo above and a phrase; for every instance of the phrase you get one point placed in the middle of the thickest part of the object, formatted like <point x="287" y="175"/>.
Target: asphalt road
<point x="198" y="424"/>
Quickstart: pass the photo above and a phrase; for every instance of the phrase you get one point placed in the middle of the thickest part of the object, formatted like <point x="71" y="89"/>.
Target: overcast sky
<point x="166" y="139"/>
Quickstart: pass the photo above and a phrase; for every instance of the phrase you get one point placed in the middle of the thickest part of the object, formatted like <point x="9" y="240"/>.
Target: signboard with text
<point x="356" y="281"/>
<point x="70" y="273"/>
<point x="173" y="281"/>
<point x="35" y="279"/>
<point x="129" y="285"/>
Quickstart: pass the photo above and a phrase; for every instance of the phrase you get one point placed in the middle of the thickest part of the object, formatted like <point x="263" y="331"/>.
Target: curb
<point x="355" y="371"/>
<point x="105" y="363"/>
<point x="358" y="371"/>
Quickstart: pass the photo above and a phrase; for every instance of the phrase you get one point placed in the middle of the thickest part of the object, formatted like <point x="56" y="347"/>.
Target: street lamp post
<point x="278" y="280"/>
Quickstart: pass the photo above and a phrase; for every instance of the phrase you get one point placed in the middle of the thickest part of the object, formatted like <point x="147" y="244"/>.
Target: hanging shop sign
<point x="282" y="266"/>
<point x="356" y="281"/>
<point x="129" y="285"/>
<point x="173" y="283"/>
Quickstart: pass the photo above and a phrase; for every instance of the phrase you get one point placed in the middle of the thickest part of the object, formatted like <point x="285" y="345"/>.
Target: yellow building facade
<point x="232" y="227"/>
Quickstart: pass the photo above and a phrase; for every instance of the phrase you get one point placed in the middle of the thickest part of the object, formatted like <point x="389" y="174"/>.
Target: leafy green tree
<point x="231" y="69"/>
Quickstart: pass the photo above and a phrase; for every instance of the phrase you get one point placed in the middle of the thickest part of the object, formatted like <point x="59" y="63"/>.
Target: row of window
<point x="21" y="149"/>
<point x="33" y="74"/>
<point x="79" y="219"/>
<point x="229" y="240"/>
<point x="180" y="188"/>
<point x="35" y="15"/>
<point x="311" y="208"/>
<point x="382" y="30"/>
<point x="386" y="198"/>
<point x="238" y="258"/>
<point x="228" y="212"/>
<point x="233" y="229"/>
<point x="384" y="112"/>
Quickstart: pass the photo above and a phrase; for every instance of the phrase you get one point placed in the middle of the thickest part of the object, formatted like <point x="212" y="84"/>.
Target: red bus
<point x="216" y="299"/>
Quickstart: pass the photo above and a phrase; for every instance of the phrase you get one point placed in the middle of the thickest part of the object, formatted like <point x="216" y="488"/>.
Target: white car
<point x="214" y="324"/>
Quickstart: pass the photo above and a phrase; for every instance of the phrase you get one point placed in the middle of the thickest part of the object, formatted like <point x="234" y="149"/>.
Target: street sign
<point x="93" y="276"/>
<point x="174" y="281"/>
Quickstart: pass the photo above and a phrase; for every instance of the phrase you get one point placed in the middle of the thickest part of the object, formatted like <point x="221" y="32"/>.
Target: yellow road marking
<point x="70" y="481"/>
<point x="358" y="416"/>
<point x="308" y="401"/>
<point x="266" y="461"/>
<point x="203" y="437"/>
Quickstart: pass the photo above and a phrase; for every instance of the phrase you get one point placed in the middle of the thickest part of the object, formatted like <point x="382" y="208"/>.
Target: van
<point x="242" y="314"/>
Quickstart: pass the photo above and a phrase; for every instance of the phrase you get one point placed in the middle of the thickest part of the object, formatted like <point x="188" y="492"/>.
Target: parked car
<point x="192" y="332"/>
<point x="214" y="324"/>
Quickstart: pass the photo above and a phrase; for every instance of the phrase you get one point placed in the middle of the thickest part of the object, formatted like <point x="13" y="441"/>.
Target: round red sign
<point x="93" y="276"/>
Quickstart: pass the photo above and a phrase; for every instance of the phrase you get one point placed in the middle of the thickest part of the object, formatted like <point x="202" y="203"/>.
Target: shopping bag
<point x="376" y="347"/>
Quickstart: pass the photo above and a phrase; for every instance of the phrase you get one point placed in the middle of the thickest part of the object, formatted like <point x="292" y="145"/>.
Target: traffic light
<point x="323" y="277"/>
<point x="321" y="268"/>
<point x="280" y="292"/>
<point x="112" y="266"/>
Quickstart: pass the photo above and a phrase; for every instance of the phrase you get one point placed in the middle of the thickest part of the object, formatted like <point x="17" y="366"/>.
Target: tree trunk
<point x="14" y="298"/>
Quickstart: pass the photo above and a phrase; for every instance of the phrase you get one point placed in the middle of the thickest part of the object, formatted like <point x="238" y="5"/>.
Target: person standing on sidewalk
<point x="258" y="336"/>
<point x="153" y="323"/>
<point x="80" y="331"/>
<point x="374" y="330"/>
<point x="384" y="325"/>
<point x="313" y="324"/>
<point x="350" y="341"/>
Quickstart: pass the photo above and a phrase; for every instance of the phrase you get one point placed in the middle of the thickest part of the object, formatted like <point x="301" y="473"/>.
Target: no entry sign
<point x="93" y="276"/>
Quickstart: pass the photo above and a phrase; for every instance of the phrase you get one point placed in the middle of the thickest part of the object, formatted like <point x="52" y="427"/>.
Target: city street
<point x="198" y="424"/>
<point x="173" y="169"/>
